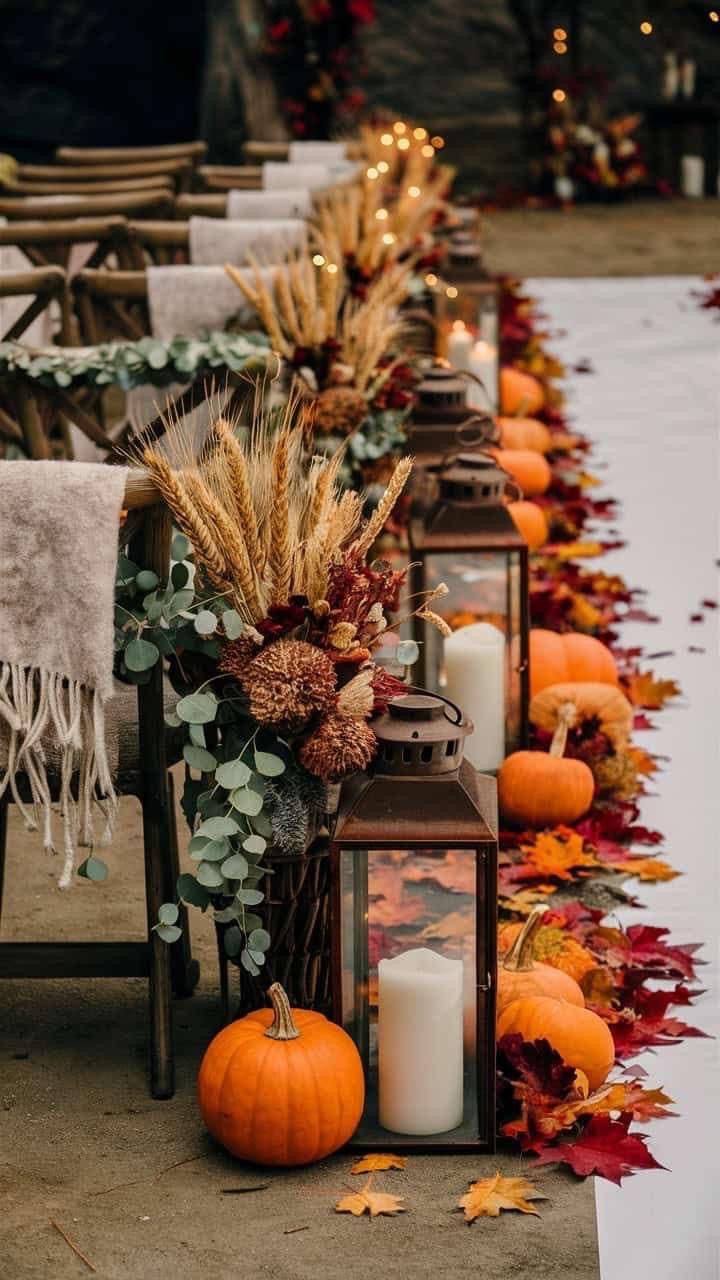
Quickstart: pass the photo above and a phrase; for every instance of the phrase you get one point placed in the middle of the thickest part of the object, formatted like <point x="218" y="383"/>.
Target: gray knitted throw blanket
<point x="58" y="551"/>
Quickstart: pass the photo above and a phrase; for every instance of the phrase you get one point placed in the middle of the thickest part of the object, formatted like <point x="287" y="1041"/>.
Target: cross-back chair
<point x="143" y="771"/>
<point x="41" y="289"/>
<point x="230" y="177"/>
<point x="161" y="243"/>
<point x="256" y="152"/>
<point x="47" y="244"/>
<point x="193" y="151"/>
<point x="176" y="169"/>
<point x="60" y="186"/>
<point x="111" y="304"/>
<point x="203" y="205"/>
<point x="156" y="202"/>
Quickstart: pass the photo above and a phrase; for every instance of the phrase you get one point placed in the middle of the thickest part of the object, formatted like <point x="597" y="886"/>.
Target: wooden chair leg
<point x="156" y="840"/>
<point x="4" y="806"/>
<point x="224" y="975"/>
<point x="185" y="970"/>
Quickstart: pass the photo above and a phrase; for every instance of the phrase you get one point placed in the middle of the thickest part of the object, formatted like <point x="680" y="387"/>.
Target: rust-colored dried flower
<point x="236" y="655"/>
<point x="288" y="682"/>
<point x="338" y="747"/>
<point x="339" y="410"/>
<point x="342" y="635"/>
<point x="616" y="775"/>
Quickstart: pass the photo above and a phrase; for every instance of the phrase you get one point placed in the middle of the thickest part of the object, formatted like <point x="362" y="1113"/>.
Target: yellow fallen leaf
<point x="378" y="1162"/>
<point x="644" y="763"/>
<point x="487" y="1197"/>
<point x="584" y="615"/>
<point x="370" y="1202"/>
<point x="645" y="690"/>
<point x="577" y="550"/>
<point x="647" y="869"/>
<point x="558" y="853"/>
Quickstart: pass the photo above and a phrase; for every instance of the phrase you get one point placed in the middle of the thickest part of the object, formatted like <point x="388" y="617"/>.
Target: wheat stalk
<point x="281" y="550"/>
<point x="189" y="519"/>
<point x="236" y="469"/>
<point x="380" y="515"/>
<point x="245" y="596"/>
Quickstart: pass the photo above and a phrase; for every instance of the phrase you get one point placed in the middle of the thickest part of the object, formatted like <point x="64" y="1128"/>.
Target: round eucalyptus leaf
<point x="262" y="825"/>
<point x="255" y="844"/>
<point x="232" y="942"/>
<point x="192" y="892"/>
<point x="232" y="774"/>
<point x="168" y="913"/>
<point x="269" y="765"/>
<point x="206" y="623"/>
<point x="180" y="547"/>
<point x="93" y="869"/>
<point x="259" y="940"/>
<point x="199" y="758"/>
<point x="407" y="653"/>
<point x="258" y="956"/>
<point x="227" y="914"/>
<point x="233" y="624"/>
<point x="195" y="708"/>
<point x="141" y="654"/>
<point x="172" y="720"/>
<point x="251" y="921"/>
<point x="210" y="875"/>
<point x="249" y="897"/>
<point x="212" y="851"/>
<point x="248" y="963"/>
<point x="147" y="580"/>
<point x="216" y="827"/>
<point x="246" y="801"/>
<point x="235" y="867"/>
<point x="197" y="735"/>
<point x="168" y="932"/>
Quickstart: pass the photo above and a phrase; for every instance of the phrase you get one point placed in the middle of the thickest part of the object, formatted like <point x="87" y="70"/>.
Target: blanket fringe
<point x="43" y="714"/>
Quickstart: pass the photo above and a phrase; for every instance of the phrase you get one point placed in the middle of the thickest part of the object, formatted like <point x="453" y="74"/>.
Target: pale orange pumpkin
<point x="531" y="522"/>
<point x="524" y="433"/>
<point x="520" y="975"/>
<point x="556" y="659"/>
<point x="581" y="1038"/>
<point x="521" y="395"/>
<point x="542" y="788"/>
<point x="281" y="1086"/>
<point x="568" y="706"/>
<point x="531" y="471"/>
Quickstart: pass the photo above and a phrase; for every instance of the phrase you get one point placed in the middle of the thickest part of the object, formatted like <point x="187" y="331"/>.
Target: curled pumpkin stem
<point x="566" y="720"/>
<point x="282" y="1026"/>
<point x="519" y="958"/>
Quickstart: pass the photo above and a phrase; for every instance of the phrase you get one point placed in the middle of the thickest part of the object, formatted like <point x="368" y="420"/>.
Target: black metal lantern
<point x="467" y="306"/>
<point x="466" y="538"/>
<point x="442" y="417"/>
<point x="414" y="885"/>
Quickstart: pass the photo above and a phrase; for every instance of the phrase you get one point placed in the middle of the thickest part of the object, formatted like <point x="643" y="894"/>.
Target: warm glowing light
<point x="389" y="238"/>
<point x="414" y="192"/>
<point x="559" y="95"/>
<point x="559" y="33"/>
<point x="381" y="214"/>
<point x="382" y="166"/>
<point x="386" y="139"/>
<point x="560" y="46"/>
<point x="451" y="291"/>
<point x="332" y="268"/>
<point x="438" y="142"/>
<point x="403" y="144"/>
<point x="714" y="16"/>
<point x="420" y="134"/>
<point x="427" y="151"/>
<point x="646" y="28"/>
<point x="431" y="280"/>
<point x="318" y="260"/>
<point x="459" y="326"/>
<point x="372" y="172"/>
<point x="399" y="127"/>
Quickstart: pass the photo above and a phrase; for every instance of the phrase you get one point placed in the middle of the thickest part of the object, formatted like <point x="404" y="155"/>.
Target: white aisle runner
<point x="651" y="408"/>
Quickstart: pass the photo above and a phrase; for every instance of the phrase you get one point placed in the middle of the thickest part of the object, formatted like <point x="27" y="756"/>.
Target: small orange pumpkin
<point x="581" y="1038"/>
<point x="543" y="789"/>
<point x="567" y="706"/>
<point x="531" y="522"/>
<point x="556" y="659"/>
<point x="531" y="471"/>
<point x="519" y="975"/>
<point x="524" y="433"/>
<point x="281" y="1087"/>
<point x="521" y="395"/>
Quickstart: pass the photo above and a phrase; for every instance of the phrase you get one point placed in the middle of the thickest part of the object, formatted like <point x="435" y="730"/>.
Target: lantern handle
<point x="430" y="693"/>
<point x="481" y="435"/>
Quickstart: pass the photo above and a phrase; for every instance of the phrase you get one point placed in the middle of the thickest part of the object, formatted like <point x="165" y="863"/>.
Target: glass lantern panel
<point x="412" y="949"/>
<point x="478" y="667"/>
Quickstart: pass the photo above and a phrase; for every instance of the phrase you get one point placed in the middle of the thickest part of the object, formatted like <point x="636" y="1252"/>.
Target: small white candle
<point x="692" y="176"/>
<point x="687" y="77"/>
<point x="460" y="346"/>
<point x="475" y="680"/>
<point x="484" y="364"/>
<point x="420" y="1042"/>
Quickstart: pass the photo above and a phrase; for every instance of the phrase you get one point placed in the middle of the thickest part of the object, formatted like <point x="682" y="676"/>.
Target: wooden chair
<point x="230" y="177"/>
<point x="21" y="420"/>
<point x="111" y="304"/>
<point x="178" y="170"/>
<point x="60" y="187"/>
<point x="46" y="244"/>
<point x="144" y="775"/>
<point x="203" y="206"/>
<point x="194" y="151"/>
<point x="160" y="243"/>
<point x="156" y="202"/>
<point x="256" y="152"/>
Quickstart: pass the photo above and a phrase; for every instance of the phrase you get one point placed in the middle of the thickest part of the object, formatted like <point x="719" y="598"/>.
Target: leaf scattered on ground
<point x="379" y="1161"/>
<point x="371" y="1202"/>
<point x="486" y="1198"/>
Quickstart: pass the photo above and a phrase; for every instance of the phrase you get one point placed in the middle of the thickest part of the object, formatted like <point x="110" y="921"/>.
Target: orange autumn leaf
<point x="378" y="1163"/>
<point x="583" y="615"/>
<point x="646" y="1104"/>
<point x="645" y="764"/>
<point x="457" y="924"/>
<point x="577" y="550"/>
<point x="645" y="690"/>
<point x="587" y="480"/>
<point x="371" y="1202"/>
<point x="487" y="1197"/>
<point x="523" y="902"/>
<point x="598" y="988"/>
<point x="557" y="853"/>
<point x="647" y="869"/>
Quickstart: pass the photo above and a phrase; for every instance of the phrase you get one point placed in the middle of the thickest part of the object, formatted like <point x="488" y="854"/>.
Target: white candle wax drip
<point x="475" y="680"/>
<point x="420" y="1042"/>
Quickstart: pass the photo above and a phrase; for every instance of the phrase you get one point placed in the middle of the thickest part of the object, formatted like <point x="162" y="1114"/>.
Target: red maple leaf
<point x="648" y="950"/>
<point x="631" y="1036"/>
<point x="604" y="1147"/>
<point x="536" y="1063"/>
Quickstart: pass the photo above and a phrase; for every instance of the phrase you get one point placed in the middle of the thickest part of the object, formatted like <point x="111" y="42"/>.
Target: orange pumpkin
<point x="581" y="1038"/>
<point x="529" y="470"/>
<point x="519" y="975"/>
<point x="542" y="789"/>
<point x="524" y="433"/>
<point x="520" y="394"/>
<point x="531" y="522"/>
<point x="568" y="706"/>
<point x="281" y="1087"/>
<point x="556" y="659"/>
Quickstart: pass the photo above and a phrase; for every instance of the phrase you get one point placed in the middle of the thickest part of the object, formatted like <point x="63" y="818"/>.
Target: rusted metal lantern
<point x="467" y="302"/>
<point x="442" y="417"/>
<point x="413" y="984"/>
<point x="464" y="536"/>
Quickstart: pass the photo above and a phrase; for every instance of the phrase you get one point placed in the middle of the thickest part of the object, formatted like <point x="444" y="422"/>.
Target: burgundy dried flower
<point x="288" y="683"/>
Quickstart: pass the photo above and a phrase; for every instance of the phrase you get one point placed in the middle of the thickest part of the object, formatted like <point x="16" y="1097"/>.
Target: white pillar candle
<point x="484" y="364"/>
<point x="475" y="680"/>
<point x="687" y="77"/>
<point x="460" y="345"/>
<point x="420" y="1042"/>
<point x="692" y="176"/>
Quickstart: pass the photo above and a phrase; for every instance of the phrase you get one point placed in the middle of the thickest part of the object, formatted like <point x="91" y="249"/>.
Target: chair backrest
<point x="206" y="206"/>
<point x="255" y="152"/>
<point x="157" y="203"/>
<point x="240" y="177"/>
<point x="160" y="243"/>
<point x="111" y="304"/>
<point x="174" y="168"/>
<point x="195" y="151"/>
<point x="42" y="286"/>
<point x="48" y="243"/>
<point x="60" y="187"/>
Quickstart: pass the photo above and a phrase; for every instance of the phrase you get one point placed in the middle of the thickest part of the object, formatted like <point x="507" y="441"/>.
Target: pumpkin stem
<point x="519" y="958"/>
<point x="282" y="1026"/>
<point x="566" y="720"/>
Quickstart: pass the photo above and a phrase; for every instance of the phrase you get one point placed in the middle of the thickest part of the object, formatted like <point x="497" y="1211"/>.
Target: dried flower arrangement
<point x="271" y="617"/>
